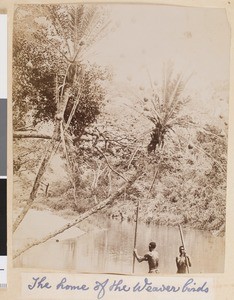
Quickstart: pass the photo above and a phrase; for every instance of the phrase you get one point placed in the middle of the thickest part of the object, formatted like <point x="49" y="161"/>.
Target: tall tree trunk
<point x="83" y="216"/>
<point x="48" y="154"/>
<point x="54" y="144"/>
<point x="69" y="166"/>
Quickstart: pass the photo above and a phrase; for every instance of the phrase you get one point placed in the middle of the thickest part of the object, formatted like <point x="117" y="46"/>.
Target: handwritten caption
<point x="101" y="288"/>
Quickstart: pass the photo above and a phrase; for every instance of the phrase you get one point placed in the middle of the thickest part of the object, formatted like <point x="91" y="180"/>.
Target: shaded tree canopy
<point x="48" y="44"/>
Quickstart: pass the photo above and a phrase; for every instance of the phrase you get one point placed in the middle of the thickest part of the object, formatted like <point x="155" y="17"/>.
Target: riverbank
<point x="159" y="210"/>
<point x="151" y="212"/>
<point x="163" y="212"/>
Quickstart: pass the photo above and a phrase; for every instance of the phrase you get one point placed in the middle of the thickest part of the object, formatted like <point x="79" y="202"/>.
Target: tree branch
<point x="100" y="151"/>
<point x="20" y="135"/>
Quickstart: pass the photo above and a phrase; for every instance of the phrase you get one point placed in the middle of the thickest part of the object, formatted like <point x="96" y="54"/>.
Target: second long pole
<point x="135" y="236"/>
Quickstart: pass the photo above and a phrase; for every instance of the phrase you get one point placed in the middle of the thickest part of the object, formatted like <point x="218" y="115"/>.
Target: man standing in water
<point x="182" y="261"/>
<point x="151" y="257"/>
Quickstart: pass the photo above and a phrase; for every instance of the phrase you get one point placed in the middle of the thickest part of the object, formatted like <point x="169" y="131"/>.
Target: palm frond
<point x="88" y="24"/>
<point x="174" y="98"/>
<point x="97" y="27"/>
<point x="86" y="21"/>
<point x="60" y="19"/>
<point x="155" y="109"/>
<point x="166" y="86"/>
<point x="76" y="13"/>
<point x="182" y="121"/>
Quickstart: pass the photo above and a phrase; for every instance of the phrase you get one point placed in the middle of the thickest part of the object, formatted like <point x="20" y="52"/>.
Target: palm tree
<point x="63" y="33"/>
<point x="165" y="107"/>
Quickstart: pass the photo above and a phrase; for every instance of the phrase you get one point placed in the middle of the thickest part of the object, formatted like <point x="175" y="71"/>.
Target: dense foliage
<point x="183" y="162"/>
<point x="48" y="41"/>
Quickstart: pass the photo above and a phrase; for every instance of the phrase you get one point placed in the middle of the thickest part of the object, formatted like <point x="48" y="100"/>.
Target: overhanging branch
<point x="20" y="135"/>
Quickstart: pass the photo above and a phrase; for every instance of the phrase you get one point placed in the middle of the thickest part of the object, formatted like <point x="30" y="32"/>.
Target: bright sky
<point x="197" y="40"/>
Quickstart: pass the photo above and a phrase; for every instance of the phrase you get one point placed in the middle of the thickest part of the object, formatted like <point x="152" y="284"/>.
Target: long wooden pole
<point x="182" y="241"/>
<point x="135" y="237"/>
<point x="137" y="211"/>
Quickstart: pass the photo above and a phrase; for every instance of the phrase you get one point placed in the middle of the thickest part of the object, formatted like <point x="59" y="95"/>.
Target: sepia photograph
<point x="120" y="133"/>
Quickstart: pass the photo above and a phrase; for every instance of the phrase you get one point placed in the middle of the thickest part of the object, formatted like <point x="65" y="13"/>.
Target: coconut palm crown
<point x="165" y="106"/>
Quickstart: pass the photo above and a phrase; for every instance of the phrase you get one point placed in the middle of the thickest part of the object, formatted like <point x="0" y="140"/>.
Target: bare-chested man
<point x="151" y="257"/>
<point x="183" y="261"/>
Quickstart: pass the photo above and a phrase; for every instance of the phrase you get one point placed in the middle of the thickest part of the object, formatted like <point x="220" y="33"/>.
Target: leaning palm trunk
<point x="85" y="215"/>
<point x="86" y="25"/>
<point x="53" y="146"/>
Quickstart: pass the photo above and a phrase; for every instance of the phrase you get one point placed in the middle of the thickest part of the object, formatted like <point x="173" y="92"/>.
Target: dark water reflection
<point x="109" y="250"/>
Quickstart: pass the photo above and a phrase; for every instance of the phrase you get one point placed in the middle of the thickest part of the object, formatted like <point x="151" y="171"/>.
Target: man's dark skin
<point x="151" y="257"/>
<point x="182" y="261"/>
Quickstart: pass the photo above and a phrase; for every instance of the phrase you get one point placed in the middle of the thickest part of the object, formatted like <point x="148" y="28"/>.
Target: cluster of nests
<point x="157" y="137"/>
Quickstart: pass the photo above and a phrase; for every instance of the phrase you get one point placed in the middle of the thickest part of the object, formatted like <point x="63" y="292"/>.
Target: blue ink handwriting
<point x="147" y="286"/>
<point x="39" y="283"/>
<point x="62" y="286"/>
<point x="191" y="286"/>
<point x="100" y="286"/>
<point x="119" y="285"/>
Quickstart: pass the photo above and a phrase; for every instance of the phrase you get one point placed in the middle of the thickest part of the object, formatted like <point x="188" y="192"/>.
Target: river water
<point x="109" y="250"/>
